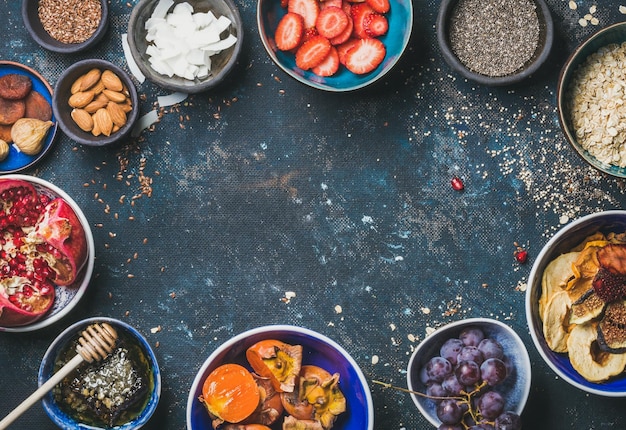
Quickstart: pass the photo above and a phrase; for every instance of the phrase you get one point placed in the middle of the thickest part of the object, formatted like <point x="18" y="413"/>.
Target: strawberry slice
<point x="328" y="3"/>
<point x="312" y="52"/>
<point x="380" y="6"/>
<point x="331" y="22"/>
<point x="289" y="32"/>
<point x="345" y="35"/>
<point x="360" y="13"/>
<point x="376" y="25"/>
<point x="613" y="258"/>
<point x="365" y="56"/>
<point x="329" y="65"/>
<point x="343" y="49"/>
<point x="307" y="9"/>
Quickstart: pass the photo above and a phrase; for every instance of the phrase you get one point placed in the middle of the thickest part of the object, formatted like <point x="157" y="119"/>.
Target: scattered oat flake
<point x="594" y="21"/>
<point x="573" y="5"/>
<point x="375" y="359"/>
<point x="564" y="219"/>
<point x="622" y="9"/>
<point x="155" y="329"/>
<point x="425" y="310"/>
<point x="392" y="327"/>
<point x="582" y="22"/>
<point x="411" y="337"/>
<point x="592" y="9"/>
<point x="429" y="331"/>
<point x="338" y="309"/>
<point x="521" y="286"/>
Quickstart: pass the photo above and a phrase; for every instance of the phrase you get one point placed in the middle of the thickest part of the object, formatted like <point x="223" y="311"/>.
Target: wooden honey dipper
<point x="95" y="343"/>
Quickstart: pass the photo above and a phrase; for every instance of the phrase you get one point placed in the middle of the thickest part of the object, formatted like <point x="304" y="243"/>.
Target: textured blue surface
<point x="266" y="186"/>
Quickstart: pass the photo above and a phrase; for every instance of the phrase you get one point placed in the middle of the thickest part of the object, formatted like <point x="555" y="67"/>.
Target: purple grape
<point x="481" y="426"/>
<point x="437" y="368"/>
<point x="471" y="336"/>
<point x="470" y="353"/>
<point x="493" y="371"/>
<point x="468" y="372"/>
<point x="508" y="421"/>
<point x="452" y="385"/>
<point x="449" y="411"/>
<point x="436" y="389"/>
<point x="451" y="427"/>
<point x="490" y="405"/>
<point x="450" y="349"/>
<point x="491" y="348"/>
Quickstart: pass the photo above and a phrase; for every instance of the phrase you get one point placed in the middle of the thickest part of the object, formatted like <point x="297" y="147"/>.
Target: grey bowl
<point x="62" y="110"/>
<point x="546" y="37"/>
<point x="33" y="24"/>
<point x="222" y="63"/>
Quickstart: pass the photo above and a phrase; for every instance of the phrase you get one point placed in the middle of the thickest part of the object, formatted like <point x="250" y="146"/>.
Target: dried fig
<point x="5" y="133"/>
<point x="15" y="86"/>
<point x="11" y="110"/>
<point x="37" y="107"/>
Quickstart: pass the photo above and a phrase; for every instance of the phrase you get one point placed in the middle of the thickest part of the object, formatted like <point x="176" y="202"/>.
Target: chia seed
<point x="494" y="37"/>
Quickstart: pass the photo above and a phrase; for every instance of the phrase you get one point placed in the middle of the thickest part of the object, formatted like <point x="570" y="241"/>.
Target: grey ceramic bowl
<point x="546" y="37"/>
<point x="62" y="110"/>
<point x="563" y="241"/>
<point x="516" y="386"/>
<point x="221" y="64"/>
<point x="615" y="33"/>
<point x="33" y="24"/>
<point x="133" y="339"/>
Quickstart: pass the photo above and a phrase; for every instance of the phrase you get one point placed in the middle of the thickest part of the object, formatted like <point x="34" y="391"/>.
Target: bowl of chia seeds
<point x="591" y="102"/>
<point x="66" y="26"/>
<point x="495" y="42"/>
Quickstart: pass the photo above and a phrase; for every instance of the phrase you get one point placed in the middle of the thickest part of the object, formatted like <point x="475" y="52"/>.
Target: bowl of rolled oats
<point x="66" y="26"/>
<point x="591" y="100"/>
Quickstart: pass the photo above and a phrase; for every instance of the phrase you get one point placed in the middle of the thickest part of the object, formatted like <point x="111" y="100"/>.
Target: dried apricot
<point x="37" y="107"/>
<point x="15" y="86"/>
<point x="11" y="110"/>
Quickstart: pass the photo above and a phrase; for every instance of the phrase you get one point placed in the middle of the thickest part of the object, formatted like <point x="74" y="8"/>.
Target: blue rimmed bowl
<point x="562" y="242"/>
<point x="318" y="350"/>
<point x="400" y="19"/>
<point x="515" y="388"/>
<point x="133" y="338"/>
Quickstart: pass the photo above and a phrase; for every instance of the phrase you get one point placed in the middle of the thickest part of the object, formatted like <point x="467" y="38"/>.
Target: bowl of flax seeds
<point x="66" y="26"/>
<point x="495" y="42"/>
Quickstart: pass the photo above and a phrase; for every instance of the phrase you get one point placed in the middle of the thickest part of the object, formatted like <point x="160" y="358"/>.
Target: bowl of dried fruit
<point x="335" y="45"/>
<point x="474" y="371"/>
<point x="590" y="100"/>
<point x="121" y="391"/>
<point x="46" y="253"/>
<point x="283" y="375"/>
<point x="493" y="42"/>
<point x="575" y="303"/>
<point x="188" y="46"/>
<point x="66" y="26"/>
<point x="95" y="103"/>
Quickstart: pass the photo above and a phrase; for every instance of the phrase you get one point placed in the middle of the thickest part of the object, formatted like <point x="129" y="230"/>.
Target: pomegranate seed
<point x="457" y="183"/>
<point x="521" y="256"/>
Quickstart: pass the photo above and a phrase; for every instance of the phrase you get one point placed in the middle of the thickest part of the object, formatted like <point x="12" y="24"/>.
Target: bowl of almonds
<point x="95" y="103"/>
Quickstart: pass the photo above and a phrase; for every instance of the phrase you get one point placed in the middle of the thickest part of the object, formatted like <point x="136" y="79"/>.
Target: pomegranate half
<point x="42" y="244"/>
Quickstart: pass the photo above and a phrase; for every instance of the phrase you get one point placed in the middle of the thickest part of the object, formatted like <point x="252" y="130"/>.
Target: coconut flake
<point x="171" y="99"/>
<point x="132" y="66"/>
<point x="144" y="122"/>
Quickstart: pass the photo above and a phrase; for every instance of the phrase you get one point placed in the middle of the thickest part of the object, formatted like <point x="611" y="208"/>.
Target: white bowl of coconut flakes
<point x="188" y="46"/>
<point x="592" y="102"/>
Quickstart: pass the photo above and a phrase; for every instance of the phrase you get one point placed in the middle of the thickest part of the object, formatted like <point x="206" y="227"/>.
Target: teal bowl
<point x="615" y="33"/>
<point x="400" y="19"/>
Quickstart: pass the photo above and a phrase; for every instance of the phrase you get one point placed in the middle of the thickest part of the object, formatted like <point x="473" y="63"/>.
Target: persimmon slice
<point x="230" y="393"/>
<point x="321" y="389"/>
<point x="278" y="361"/>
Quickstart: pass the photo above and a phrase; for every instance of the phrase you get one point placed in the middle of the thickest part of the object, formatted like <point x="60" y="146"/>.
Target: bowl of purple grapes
<point x="471" y="374"/>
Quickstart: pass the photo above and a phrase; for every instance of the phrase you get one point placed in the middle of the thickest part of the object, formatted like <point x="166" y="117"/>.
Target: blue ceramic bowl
<point x="615" y="33"/>
<point x="515" y="388"/>
<point x="563" y="241"/>
<point x="400" y="18"/>
<point x="546" y="38"/>
<point x="317" y="350"/>
<point x="66" y="422"/>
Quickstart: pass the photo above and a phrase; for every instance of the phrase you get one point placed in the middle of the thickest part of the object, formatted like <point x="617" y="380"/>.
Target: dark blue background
<point x="265" y="186"/>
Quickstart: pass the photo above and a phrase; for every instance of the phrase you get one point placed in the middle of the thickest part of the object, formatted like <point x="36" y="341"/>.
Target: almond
<point x="99" y="102"/>
<point x="89" y="79"/>
<point x="76" y="85"/>
<point x="114" y="96"/>
<point x="111" y="81"/>
<point x="102" y="120"/>
<point x="98" y="87"/>
<point x="117" y="114"/>
<point x="83" y="119"/>
<point x="81" y="99"/>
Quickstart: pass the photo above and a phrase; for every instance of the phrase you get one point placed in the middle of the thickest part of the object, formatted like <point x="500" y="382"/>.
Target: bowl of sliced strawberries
<point x="335" y="45"/>
<point x="280" y="377"/>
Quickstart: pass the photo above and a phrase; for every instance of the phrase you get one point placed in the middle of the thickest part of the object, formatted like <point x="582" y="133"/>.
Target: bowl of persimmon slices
<point x="335" y="45"/>
<point x="46" y="253"/>
<point x="280" y="377"/>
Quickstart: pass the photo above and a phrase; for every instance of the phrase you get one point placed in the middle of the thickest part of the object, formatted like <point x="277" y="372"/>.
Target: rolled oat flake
<point x="494" y="37"/>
